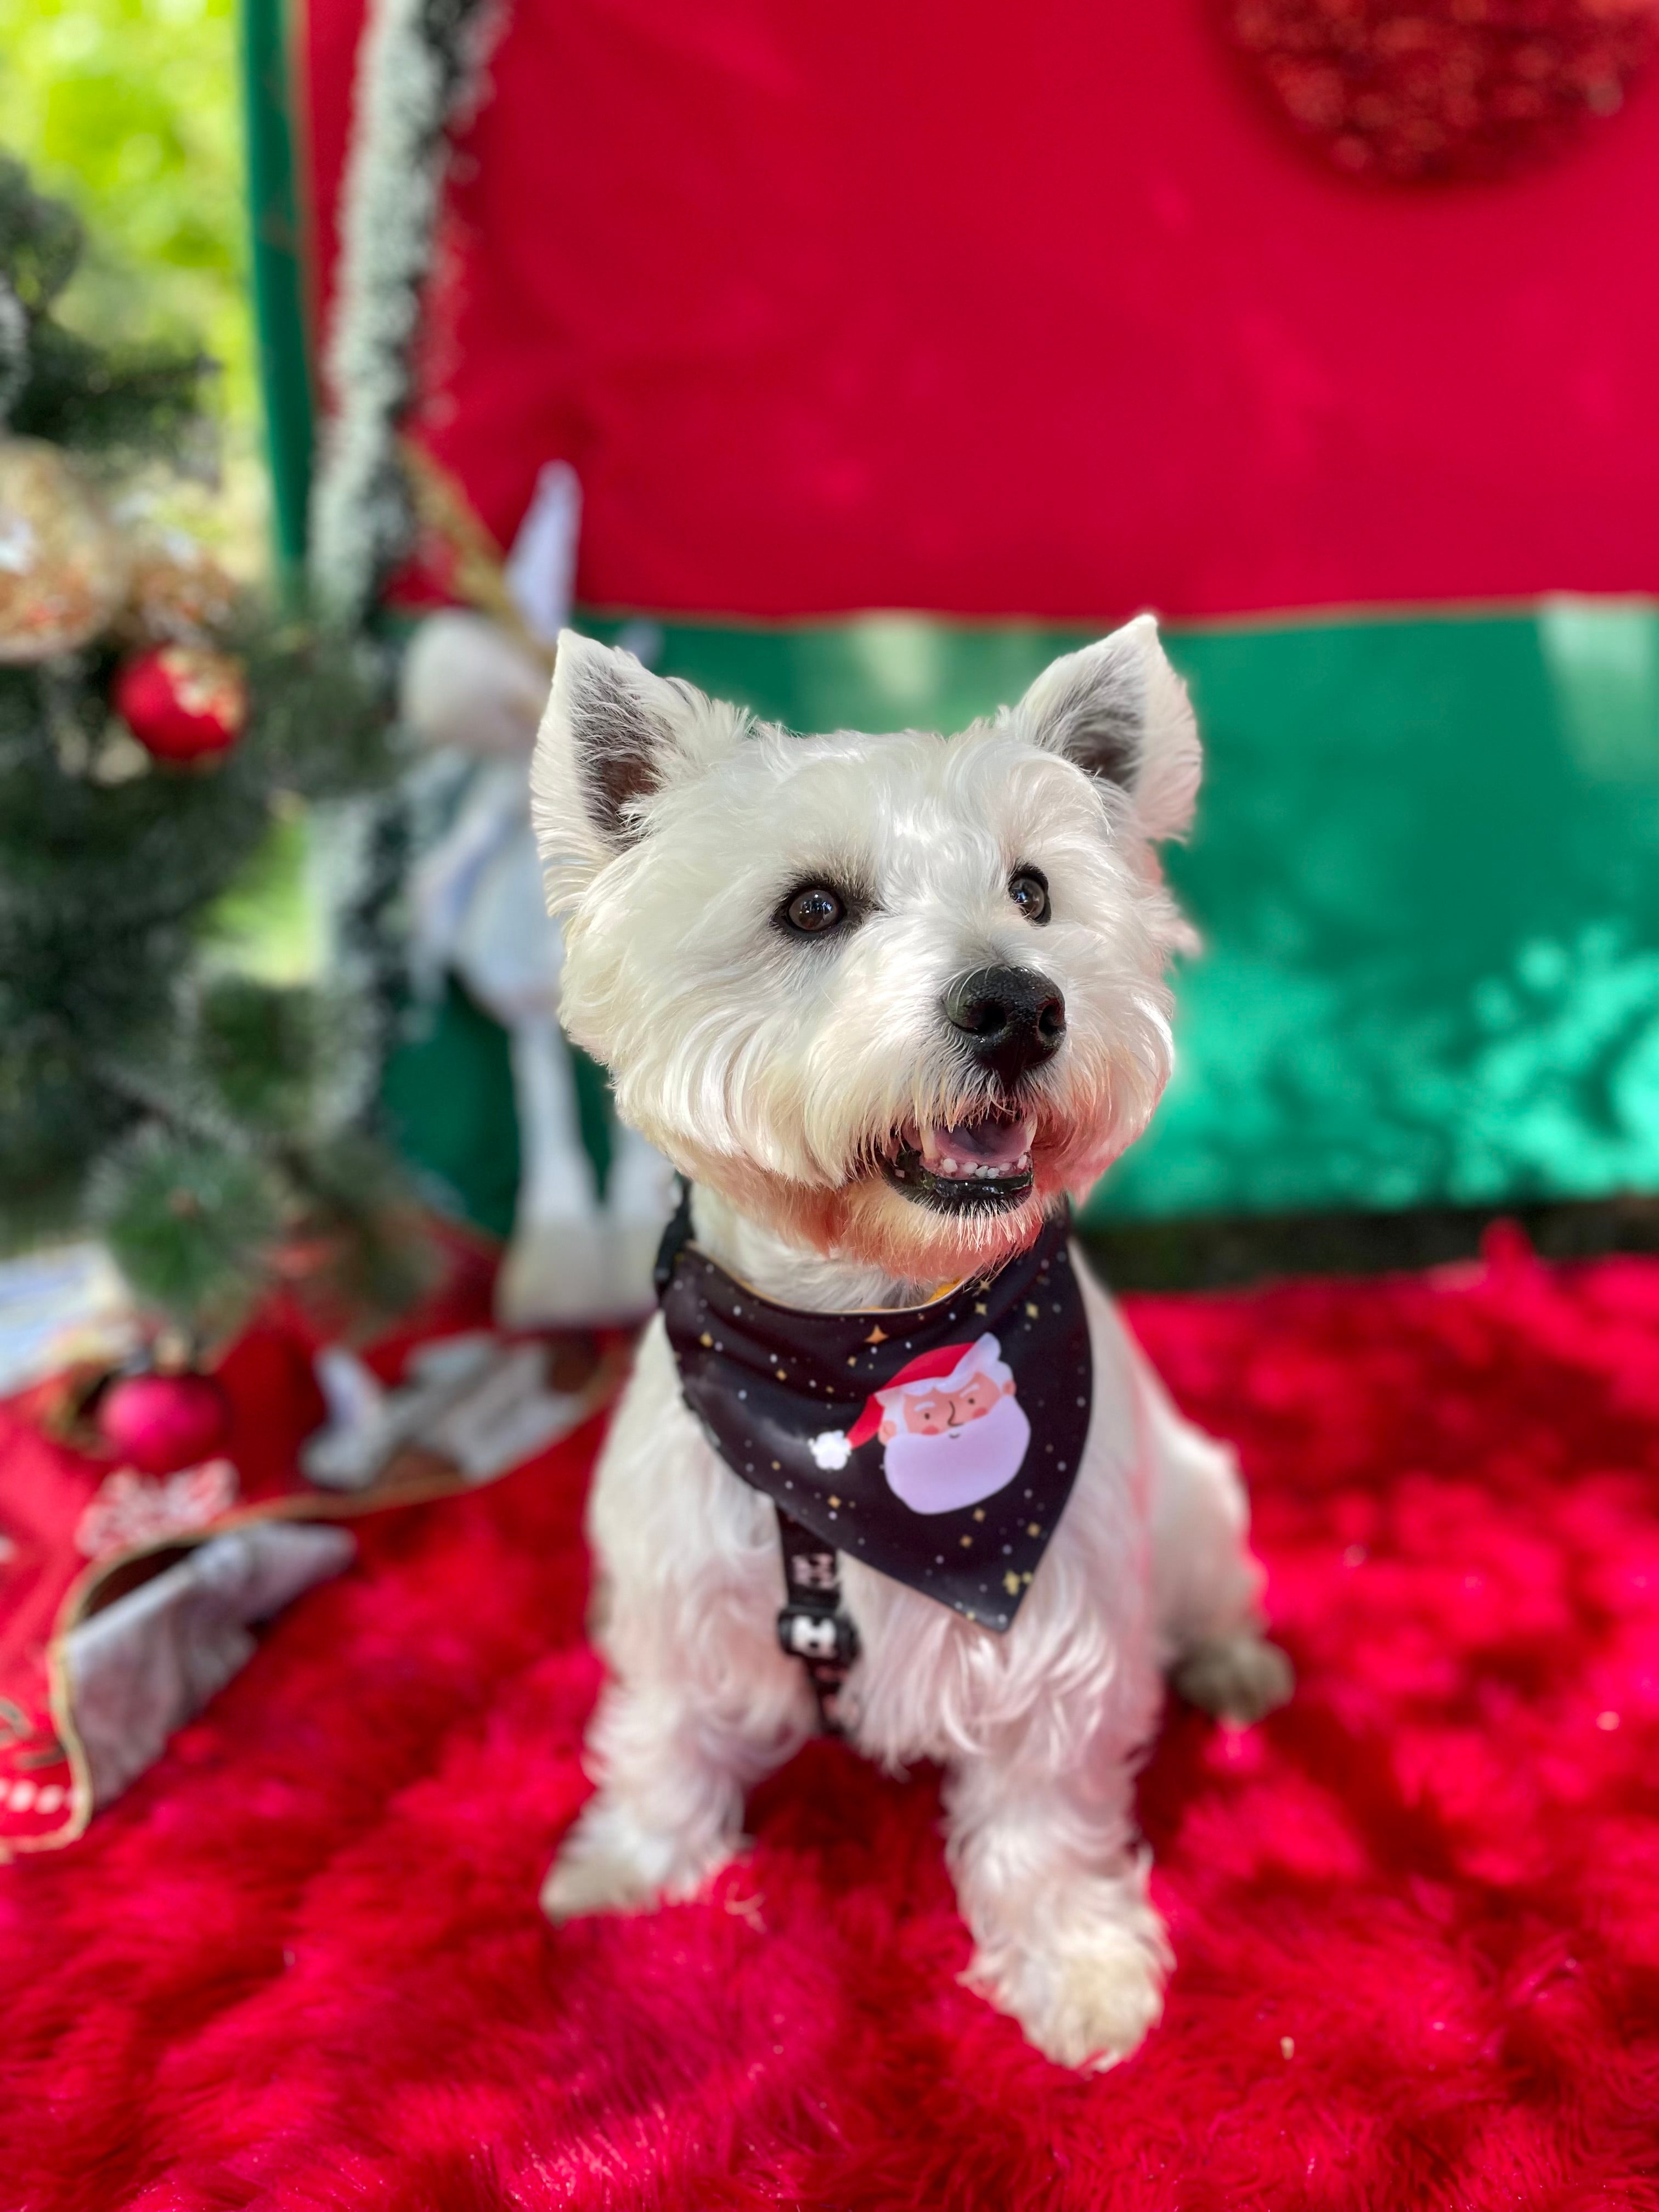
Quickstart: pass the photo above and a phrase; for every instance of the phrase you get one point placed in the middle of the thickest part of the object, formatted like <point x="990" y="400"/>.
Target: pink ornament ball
<point x="162" y="1423"/>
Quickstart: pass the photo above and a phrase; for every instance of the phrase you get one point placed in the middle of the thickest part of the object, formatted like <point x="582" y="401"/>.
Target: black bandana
<point x="955" y="1484"/>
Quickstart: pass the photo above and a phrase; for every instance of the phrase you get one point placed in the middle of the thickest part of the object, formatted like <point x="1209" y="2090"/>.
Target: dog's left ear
<point x="613" y="735"/>
<point x="1120" y="711"/>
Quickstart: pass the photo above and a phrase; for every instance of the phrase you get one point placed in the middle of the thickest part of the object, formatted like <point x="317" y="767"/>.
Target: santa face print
<point x="931" y="1413"/>
<point x="947" y="1448"/>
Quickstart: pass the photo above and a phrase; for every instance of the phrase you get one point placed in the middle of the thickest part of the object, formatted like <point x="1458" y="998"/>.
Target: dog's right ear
<point x="613" y="735"/>
<point x="1119" y="711"/>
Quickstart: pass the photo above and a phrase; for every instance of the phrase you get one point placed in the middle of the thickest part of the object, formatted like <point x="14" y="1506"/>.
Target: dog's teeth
<point x="948" y="1167"/>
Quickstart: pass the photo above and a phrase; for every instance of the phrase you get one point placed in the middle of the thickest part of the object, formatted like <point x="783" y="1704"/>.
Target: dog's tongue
<point x="998" y="1145"/>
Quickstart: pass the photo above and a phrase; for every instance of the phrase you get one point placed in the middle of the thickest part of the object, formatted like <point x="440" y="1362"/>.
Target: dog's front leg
<point x="702" y="1702"/>
<point x="1054" y="1887"/>
<point x="668" y="1812"/>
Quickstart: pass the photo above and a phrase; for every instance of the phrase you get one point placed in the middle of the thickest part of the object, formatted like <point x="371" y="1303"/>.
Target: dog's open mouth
<point x="964" y="1163"/>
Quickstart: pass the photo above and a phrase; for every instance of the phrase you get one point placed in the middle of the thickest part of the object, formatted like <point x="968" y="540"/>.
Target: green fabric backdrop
<point x="1427" y="871"/>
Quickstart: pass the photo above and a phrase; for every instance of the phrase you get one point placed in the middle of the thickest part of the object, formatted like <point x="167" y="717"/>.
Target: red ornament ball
<point x="182" y="703"/>
<point x="1422" y="89"/>
<point x="162" y="1423"/>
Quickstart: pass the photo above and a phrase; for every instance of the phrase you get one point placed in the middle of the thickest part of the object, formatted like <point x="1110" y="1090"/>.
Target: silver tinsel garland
<point x="419" y="70"/>
<point x="13" y="349"/>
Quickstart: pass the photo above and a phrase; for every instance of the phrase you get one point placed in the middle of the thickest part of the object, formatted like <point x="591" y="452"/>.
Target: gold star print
<point x="980" y="1306"/>
<point x="1010" y="1583"/>
<point x="779" y="1372"/>
<point x="706" y="1341"/>
<point x="1031" y="1309"/>
<point x="978" y="1513"/>
<point x="966" y="1543"/>
<point x="1033" y="1528"/>
<point x="878" y="1335"/>
<point x="835" y="1501"/>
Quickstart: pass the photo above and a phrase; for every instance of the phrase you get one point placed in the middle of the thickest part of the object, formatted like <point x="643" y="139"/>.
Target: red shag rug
<point x="1417" y="1915"/>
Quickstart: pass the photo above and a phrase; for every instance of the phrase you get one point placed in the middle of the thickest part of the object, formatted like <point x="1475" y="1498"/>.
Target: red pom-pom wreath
<point x="182" y="703"/>
<point x="162" y="1423"/>
<point x="1407" y="89"/>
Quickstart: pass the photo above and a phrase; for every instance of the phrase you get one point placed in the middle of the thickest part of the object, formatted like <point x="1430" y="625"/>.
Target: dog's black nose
<point x="1011" y="1019"/>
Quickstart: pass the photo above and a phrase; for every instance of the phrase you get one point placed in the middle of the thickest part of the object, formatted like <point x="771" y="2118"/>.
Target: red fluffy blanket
<point x="1416" y="1915"/>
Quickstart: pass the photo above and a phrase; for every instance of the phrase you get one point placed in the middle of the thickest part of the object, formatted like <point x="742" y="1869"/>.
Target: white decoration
<point x="541" y="570"/>
<point x="347" y="1454"/>
<point x="831" y="1450"/>
<point x="507" y="1415"/>
<point x="480" y="911"/>
<point x="130" y="1508"/>
<point x="482" y="1404"/>
<point x="140" y="1667"/>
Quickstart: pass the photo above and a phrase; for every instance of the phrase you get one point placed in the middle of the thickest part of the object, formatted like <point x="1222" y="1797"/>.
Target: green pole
<point x="278" y="278"/>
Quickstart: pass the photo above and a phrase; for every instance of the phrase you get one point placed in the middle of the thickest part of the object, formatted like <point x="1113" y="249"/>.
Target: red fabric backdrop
<point x="299" y="1966"/>
<point x="1033" y="310"/>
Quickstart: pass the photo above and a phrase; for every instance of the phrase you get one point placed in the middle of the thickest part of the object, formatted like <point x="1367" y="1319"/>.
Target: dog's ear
<point x="1119" y="710"/>
<point x="612" y="735"/>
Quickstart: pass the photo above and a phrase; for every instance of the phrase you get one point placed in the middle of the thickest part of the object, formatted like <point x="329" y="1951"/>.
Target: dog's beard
<point x="959" y="1466"/>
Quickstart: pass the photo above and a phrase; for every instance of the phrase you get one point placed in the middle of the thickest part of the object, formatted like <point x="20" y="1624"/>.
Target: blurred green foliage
<point x="128" y="109"/>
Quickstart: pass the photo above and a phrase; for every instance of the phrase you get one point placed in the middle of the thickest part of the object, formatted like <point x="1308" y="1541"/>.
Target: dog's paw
<point x="1238" y="1678"/>
<point x="1089" y="1996"/>
<point x="580" y="1882"/>
<point x="608" y="1864"/>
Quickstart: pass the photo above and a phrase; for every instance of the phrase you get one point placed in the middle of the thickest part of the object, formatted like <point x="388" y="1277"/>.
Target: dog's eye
<point x="814" y="911"/>
<point x="1029" y="890"/>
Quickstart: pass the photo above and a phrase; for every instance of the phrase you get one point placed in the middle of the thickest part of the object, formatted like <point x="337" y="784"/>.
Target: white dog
<point x="886" y="1001"/>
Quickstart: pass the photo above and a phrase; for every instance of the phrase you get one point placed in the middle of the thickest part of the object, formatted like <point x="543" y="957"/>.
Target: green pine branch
<point x="194" y="1120"/>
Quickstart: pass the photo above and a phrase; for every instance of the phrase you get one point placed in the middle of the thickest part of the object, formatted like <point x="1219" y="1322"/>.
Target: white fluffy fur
<point x="772" y="1073"/>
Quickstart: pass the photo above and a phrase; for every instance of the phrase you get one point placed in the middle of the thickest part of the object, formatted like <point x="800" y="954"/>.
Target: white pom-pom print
<point x="831" y="1450"/>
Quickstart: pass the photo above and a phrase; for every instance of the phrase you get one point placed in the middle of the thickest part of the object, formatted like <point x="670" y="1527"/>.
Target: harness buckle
<point x="809" y="1633"/>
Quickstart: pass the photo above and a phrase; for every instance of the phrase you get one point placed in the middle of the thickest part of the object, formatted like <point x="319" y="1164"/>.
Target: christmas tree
<point x="155" y="725"/>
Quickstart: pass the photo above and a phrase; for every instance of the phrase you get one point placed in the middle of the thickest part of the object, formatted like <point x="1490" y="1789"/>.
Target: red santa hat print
<point x="947" y="1367"/>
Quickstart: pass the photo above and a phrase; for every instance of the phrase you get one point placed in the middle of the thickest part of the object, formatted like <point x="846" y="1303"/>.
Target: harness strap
<point x="812" y="1626"/>
<point x="675" y="1239"/>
